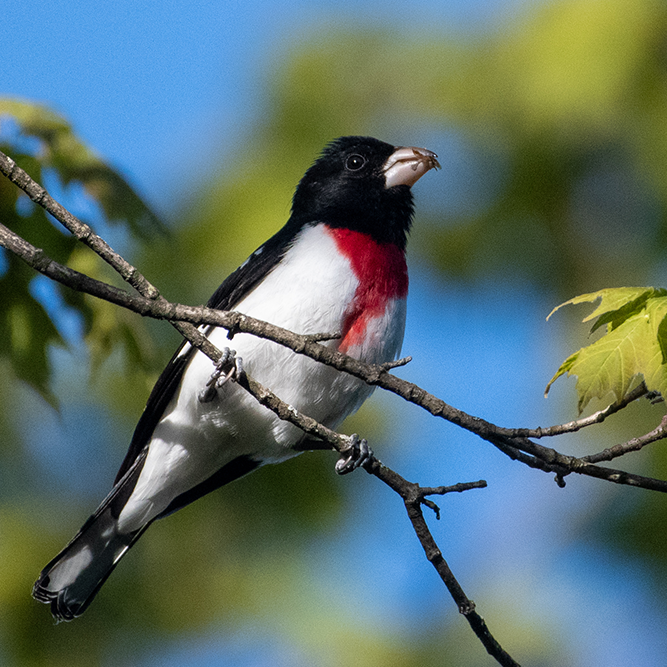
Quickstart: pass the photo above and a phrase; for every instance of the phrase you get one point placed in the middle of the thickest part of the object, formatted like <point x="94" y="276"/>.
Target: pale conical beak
<point x="407" y="164"/>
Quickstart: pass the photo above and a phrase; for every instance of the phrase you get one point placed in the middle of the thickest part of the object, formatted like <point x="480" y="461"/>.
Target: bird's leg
<point x="228" y="367"/>
<point x="356" y="455"/>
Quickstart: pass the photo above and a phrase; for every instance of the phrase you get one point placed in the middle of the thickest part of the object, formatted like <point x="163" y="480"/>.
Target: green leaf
<point x="611" y="301"/>
<point x="634" y="345"/>
<point x="610" y="364"/>
<point x="655" y="353"/>
<point x="564" y="368"/>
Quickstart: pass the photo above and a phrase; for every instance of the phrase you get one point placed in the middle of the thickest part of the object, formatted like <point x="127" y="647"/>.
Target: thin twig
<point x="466" y="605"/>
<point x="563" y="465"/>
<point x="576" y="425"/>
<point x="390" y="365"/>
<point x="633" y="445"/>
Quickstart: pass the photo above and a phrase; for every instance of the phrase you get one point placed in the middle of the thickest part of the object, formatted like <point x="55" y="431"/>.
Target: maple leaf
<point x="634" y="345"/>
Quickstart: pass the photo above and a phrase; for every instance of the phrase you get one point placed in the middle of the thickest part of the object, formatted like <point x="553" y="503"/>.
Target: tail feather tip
<point x="61" y="610"/>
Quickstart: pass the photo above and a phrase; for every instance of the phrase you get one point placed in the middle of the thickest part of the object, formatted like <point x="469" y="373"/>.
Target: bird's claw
<point x="357" y="455"/>
<point x="228" y="367"/>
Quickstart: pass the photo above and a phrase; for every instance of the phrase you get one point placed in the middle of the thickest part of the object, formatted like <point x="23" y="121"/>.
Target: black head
<point x="363" y="184"/>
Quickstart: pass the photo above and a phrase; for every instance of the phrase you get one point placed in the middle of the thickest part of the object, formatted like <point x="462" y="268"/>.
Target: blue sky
<point x="146" y="84"/>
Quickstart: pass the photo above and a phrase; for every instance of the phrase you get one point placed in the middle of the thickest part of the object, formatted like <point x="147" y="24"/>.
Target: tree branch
<point x="187" y="318"/>
<point x="150" y="300"/>
<point x="576" y="425"/>
<point x="515" y="443"/>
<point x="77" y="228"/>
<point x="465" y="605"/>
<point x="633" y="445"/>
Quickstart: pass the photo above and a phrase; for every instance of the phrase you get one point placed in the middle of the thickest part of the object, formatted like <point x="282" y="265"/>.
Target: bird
<point x="337" y="266"/>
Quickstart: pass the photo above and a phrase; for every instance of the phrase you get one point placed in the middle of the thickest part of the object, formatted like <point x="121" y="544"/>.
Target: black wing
<point x="235" y="287"/>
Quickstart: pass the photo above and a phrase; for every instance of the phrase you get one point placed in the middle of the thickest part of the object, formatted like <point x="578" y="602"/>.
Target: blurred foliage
<point x="564" y="109"/>
<point x="44" y="145"/>
<point x="560" y="184"/>
<point x="571" y="103"/>
<point x="61" y="150"/>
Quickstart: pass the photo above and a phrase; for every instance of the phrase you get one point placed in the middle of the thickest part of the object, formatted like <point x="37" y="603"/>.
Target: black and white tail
<point x="71" y="580"/>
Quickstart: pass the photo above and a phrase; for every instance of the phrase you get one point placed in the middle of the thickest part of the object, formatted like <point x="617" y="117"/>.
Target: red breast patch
<point x="382" y="274"/>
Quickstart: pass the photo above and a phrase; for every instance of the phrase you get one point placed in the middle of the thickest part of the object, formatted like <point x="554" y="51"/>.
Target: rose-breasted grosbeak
<point x="338" y="265"/>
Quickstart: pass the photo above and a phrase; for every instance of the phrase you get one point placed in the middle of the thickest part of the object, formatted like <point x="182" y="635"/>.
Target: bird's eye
<point x="355" y="162"/>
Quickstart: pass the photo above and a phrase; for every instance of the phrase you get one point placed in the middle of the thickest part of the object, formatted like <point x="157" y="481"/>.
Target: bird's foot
<point x="228" y="367"/>
<point x="357" y="455"/>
